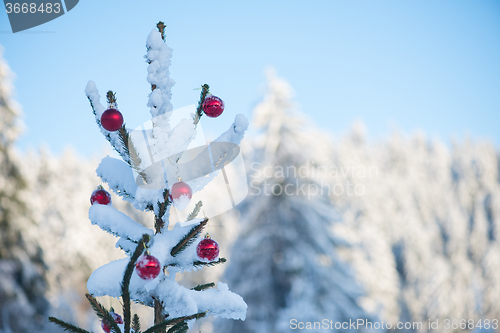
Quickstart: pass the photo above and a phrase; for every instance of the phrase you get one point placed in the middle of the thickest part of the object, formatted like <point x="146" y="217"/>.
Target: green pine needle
<point x="66" y="326"/>
<point x="181" y="327"/>
<point x="103" y="313"/>
<point x="212" y="263"/>
<point x="126" y="280"/>
<point x="205" y="89"/>
<point x="136" y="324"/>
<point x="188" y="238"/>
<point x="201" y="287"/>
<point x="174" y="321"/>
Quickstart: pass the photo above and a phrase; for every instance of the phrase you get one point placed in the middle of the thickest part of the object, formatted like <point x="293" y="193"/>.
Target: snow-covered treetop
<point x="152" y="163"/>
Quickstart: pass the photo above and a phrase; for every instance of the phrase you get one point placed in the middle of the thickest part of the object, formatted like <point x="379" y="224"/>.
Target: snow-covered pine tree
<point x="284" y="262"/>
<point x="147" y="276"/>
<point x="425" y="225"/>
<point x="22" y="269"/>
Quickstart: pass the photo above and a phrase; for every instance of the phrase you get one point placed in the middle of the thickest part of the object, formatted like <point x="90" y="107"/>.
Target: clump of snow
<point x="182" y="202"/>
<point x="106" y="279"/>
<point x="119" y="177"/>
<point x="145" y="197"/>
<point x="117" y="223"/>
<point x="221" y="302"/>
<point x="94" y="96"/>
<point x="158" y="56"/>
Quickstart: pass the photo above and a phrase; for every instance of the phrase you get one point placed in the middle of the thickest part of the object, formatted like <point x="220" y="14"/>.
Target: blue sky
<point x="428" y="65"/>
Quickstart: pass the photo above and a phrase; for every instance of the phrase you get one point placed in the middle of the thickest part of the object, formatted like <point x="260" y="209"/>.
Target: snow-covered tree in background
<point x="164" y="252"/>
<point x="425" y="226"/>
<point x="22" y="269"/>
<point x="284" y="263"/>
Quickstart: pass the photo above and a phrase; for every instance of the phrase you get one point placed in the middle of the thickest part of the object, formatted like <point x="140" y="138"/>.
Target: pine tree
<point x="155" y="161"/>
<point x="22" y="269"/>
<point x="425" y="226"/>
<point x="284" y="262"/>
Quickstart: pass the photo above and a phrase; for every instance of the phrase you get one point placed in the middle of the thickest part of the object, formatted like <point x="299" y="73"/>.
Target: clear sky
<point x="429" y="65"/>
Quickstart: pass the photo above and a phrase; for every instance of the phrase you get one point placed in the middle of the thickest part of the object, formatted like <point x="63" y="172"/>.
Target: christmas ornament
<point x="147" y="267"/>
<point x="111" y="120"/>
<point x="100" y="196"/>
<point x="207" y="249"/>
<point x="181" y="194"/>
<point x="105" y="325"/>
<point x="213" y="106"/>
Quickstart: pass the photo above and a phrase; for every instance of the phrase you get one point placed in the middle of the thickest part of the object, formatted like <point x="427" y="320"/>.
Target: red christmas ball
<point x="180" y="189"/>
<point x="100" y="196"/>
<point x="148" y="267"/>
<point x="180" y="195"/>
<point x="111" y="120"/>
<point x="105" y="325"/>
<point x="207" y="249"/>
<point x="213" y="106"/>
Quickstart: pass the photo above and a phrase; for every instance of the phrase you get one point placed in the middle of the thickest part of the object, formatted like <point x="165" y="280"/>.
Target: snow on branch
<point x="158" y="56"/>
<point x="98" y="109"/>
<point x="236" y="132"/>
<point x="119" y="176"/>
<point x="220" y="302"/>
<point x="115" y="222"/>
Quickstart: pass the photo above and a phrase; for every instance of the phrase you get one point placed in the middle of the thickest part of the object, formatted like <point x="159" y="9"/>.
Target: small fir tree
<point x="147" y="276"/>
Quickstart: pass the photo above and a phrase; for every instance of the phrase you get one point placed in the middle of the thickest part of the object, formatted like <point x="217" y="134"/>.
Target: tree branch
<point x="66" y="326"/>
<point x="126" y="280"/>
<point x="205" y="89"/>
<point x="188" y="238"/>
<point x="103" y="313"/>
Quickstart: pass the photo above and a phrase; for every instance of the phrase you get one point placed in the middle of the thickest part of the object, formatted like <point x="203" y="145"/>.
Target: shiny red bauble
<point x="213" y="106"/>
<point x="180" y="189"/>
<point x="147" y="267"/>
<point x="100" y="196"/>
<point x="111" y="120"/>
<point x="207" y="249"/>
<point x="105" y="325"/>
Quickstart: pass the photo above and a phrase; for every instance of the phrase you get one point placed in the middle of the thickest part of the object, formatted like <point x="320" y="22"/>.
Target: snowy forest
<point x="335" y="228"/>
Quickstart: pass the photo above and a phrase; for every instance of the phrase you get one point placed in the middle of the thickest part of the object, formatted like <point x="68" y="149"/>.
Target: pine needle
<point x="204" y="92"/>
<point x="66" y="326"/>
<point x="136" y="324"/>
<point x="201" y="287"/>
<point x="212" y="263"/>
<point x="195" y="211"/>
<point x="179" y="328"/>
<point x="126" y="280"/>
<point x="189" y="238"/>
<point x="103" y="313"/>
<point x="173" y="321"/>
